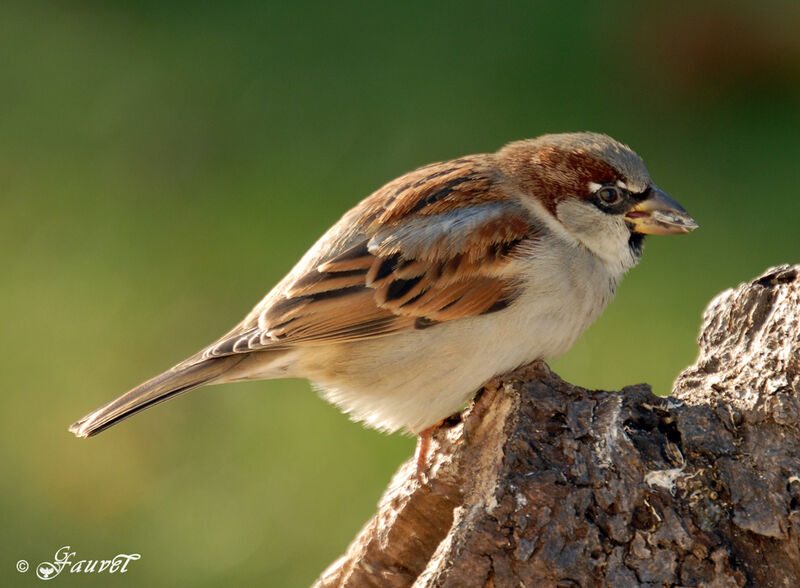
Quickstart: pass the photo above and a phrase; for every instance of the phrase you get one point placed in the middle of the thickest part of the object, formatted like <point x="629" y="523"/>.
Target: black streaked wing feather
<point x="429" y="247"/>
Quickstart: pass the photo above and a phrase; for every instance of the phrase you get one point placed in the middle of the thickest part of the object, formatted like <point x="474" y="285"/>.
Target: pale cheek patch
<point x="605" y="235"/>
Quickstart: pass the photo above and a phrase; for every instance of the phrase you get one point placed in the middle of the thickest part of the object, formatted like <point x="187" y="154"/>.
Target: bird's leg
<point x="421" y="454"/>
<point x="424" y="440"/>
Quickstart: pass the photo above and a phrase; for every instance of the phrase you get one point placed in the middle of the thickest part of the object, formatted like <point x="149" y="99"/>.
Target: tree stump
<point x="541" y="483"/>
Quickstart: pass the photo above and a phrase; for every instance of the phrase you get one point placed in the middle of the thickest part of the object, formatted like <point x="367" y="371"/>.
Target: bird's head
<point x="595" y="190"/>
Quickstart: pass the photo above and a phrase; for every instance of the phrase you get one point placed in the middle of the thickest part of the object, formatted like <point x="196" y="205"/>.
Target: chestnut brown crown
<point x="559" y="166"/>
<point x="598" y="170"/>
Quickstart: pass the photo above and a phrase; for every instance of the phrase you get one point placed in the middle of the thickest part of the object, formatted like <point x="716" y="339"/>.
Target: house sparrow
<point x="440" y="280"/>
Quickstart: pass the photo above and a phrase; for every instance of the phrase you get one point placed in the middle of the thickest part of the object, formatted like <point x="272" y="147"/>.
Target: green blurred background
<point x="162" y="166"/>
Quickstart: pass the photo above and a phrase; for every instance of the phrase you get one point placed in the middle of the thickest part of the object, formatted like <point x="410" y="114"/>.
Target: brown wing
<point x="431" y="246"/>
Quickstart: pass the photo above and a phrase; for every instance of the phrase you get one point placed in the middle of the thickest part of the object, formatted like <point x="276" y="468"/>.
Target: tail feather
<point x="180" y="378"/>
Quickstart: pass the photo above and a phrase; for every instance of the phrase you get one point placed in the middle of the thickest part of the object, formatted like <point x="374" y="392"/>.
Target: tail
<point x="180" y="378"/>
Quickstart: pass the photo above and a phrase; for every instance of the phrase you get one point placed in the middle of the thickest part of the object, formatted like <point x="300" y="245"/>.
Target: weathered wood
<point x="543" y="483"/>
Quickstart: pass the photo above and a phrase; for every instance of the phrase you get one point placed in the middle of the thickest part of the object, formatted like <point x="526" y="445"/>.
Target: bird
<point x="438" y="282"/>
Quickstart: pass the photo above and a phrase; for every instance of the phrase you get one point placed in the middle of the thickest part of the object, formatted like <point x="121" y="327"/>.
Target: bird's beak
<point x="660" y="214"/>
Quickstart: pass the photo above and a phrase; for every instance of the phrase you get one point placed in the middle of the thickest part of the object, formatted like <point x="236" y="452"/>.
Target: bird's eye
<point x="609" y="194"/>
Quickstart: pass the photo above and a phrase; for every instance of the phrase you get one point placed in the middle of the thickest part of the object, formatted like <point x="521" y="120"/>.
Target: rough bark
<point x="542" y="483"/>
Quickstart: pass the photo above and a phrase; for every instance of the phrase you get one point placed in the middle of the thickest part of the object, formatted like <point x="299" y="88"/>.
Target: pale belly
<point x="414" y="380"/>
